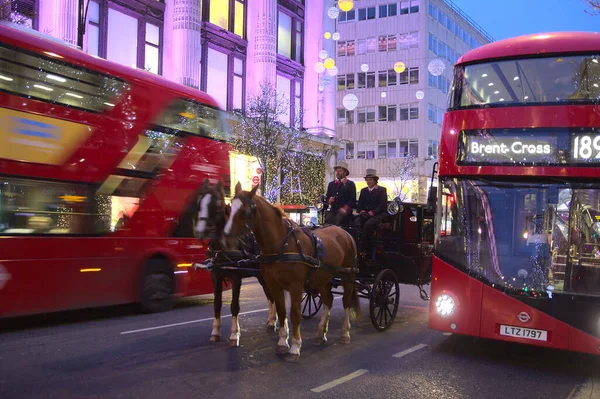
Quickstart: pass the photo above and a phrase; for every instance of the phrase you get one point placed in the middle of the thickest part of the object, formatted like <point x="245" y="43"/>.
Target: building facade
<point x="227" y="48"/>
<point x="396" y="58"/>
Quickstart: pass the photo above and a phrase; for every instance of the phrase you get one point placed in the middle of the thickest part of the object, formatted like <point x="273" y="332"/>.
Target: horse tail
<point x="355" y="300"/>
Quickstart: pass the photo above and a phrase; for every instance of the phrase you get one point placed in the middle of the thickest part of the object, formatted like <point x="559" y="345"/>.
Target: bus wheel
<point x="157" y="286"/>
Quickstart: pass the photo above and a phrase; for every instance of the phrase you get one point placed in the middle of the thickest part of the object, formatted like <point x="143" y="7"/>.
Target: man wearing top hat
<point x="341" y="197"/>
<point x="371" y="207"/>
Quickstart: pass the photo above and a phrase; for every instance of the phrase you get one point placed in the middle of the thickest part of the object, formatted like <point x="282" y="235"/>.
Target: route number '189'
<point x="586" y="147"/>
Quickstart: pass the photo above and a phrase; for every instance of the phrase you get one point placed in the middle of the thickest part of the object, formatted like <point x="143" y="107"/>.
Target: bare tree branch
<point x="595" y="7"/>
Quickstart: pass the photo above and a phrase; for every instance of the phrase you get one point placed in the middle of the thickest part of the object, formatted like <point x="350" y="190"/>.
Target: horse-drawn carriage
<point x="401" y="254"/>
<point x="310" y="263"/>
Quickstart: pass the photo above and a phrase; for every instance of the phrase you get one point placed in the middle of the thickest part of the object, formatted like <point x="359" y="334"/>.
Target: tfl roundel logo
<point x="523" y="317"/>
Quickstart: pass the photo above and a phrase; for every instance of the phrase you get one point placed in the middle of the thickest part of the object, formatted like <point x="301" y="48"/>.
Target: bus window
<point x="34" y="76"/>
<point x="531" y="81"/>
<point x="194" y="118"/>
<point x="154" y="151"/>
<point x="42" y="207"/>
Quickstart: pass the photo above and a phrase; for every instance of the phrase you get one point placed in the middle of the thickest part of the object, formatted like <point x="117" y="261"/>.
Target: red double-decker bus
<point x="518" y="208"/>
<point x="100" y="168"/>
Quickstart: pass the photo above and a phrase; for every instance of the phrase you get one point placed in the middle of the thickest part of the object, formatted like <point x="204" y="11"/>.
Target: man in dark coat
<point x="341" y="197"/>
<point x="372" y="205"/>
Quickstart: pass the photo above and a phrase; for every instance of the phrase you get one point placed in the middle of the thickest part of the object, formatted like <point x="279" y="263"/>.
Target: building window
<point x="93" y="29"/>
<point x="366" y="80"/>
<point x="346" y="48"/>
<point x="366" y="13"/>
<point x="366" y="115"/>
<point x="122" y="38"/>
<point x="409" y="111"/>
<point x="227" y="14"/>
<point x="290" y="36"/>
<point x="345" y="82"/>
<point x="347" y="16"/>
<point x="229" y="93"/>
<point x="125" y="36"/>
<point x="434" y="114"/>
<point x="238" y="84"/>
<point x="433" y="149"/>
<point x="216" y="76"/>
<point x="388" y="10"/>
<point x="406" y="147"/>
<point x="386" y="149"/>
<point x="345" y="116"/>
<point x="408" y="40"/>
<point x="349" y="150"/>
<point x="291" y="90"/>
<point x="152" y="50"/>
<point x="387" y="43"/>
<point x="387" y="113"/>
<point x="409" y="75"/>
<point x="409" y="6"/>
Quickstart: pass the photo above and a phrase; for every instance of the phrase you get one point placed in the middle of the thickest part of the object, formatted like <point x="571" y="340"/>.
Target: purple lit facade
<point x="224" y="47"/>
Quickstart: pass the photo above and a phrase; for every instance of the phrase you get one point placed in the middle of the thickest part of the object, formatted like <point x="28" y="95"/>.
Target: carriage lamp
<point x="445" y="305"/>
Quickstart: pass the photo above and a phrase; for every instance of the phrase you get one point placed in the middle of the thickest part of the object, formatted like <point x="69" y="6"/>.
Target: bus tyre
<point x="157" y="286"/>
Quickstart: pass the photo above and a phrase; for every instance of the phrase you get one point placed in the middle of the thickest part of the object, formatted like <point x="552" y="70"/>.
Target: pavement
<point x="117" y="353"/>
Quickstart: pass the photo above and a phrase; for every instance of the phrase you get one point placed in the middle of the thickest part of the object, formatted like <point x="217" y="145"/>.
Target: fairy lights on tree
<point x="405" y="177"/>
<point x="262" y="134"/>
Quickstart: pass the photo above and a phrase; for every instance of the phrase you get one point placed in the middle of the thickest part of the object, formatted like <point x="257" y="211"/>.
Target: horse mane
<point x="278" y="211"/>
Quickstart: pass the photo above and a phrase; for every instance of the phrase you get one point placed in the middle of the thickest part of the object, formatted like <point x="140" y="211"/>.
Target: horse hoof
<point x="234" y="343"/>
<point x="320" y="341"/>
<point x="271" y="329"/>
<point x="282" y="350"/>
<point x="345" y="340"/>
<point x="215" y="338"/>
<point x="291" y="358"/>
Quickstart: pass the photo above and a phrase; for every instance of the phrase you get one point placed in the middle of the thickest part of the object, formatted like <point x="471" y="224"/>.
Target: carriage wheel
<point x="311" y="303"/>
<point x="384" y="299"/>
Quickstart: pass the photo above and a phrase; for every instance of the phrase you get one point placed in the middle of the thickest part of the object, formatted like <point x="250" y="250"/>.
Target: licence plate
<point x="521" y="332"/>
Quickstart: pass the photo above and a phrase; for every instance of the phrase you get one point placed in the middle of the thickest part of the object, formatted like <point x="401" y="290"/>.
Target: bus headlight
<point x="445" y="305"/>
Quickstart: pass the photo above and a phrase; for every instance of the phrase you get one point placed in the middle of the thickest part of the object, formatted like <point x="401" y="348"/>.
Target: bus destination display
<point x="523" y="147"/>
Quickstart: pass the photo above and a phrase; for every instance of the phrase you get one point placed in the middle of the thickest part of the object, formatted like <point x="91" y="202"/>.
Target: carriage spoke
<point x="307" y="304"/>
<point x="387" y="309"/>
<point x="380" y="316"/>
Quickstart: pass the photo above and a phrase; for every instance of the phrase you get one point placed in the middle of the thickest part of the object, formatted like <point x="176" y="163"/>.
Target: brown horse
<point x="212" y="216"/>
<point x="284" y="265"/>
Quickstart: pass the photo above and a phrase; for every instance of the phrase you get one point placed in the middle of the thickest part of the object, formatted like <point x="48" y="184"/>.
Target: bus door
<point x="582" y="273"/>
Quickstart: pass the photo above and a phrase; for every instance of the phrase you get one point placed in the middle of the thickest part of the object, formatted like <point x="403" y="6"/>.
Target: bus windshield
<point x="537" y="237"/>
<point x="571" y="79"/>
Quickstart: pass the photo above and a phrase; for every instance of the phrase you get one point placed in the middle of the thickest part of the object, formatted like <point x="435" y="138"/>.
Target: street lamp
<point x="81" y="18"/>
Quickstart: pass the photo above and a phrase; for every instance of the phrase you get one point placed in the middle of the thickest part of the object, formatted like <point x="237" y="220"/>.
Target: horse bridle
<point x="221" y="210"/>
<point x="250" y="211"/>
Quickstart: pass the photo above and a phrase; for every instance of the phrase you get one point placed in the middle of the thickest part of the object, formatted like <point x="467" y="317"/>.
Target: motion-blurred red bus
<point x="100" y="168"/>
<point x="518" y="217"/>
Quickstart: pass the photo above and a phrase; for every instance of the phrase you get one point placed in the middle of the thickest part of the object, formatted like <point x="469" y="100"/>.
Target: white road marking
<point x="188" y="322"/>
<point x="410" y="350"/>
<point x="447" y="334"/>
<point x="339" y="381"/>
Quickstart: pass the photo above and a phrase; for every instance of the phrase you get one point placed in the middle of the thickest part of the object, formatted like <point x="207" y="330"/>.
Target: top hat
<point x="372" y="173"/>
<point x="342" y="165"/>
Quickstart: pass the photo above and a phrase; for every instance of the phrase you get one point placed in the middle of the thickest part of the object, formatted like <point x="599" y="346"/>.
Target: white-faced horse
<point x="233" y="259"/>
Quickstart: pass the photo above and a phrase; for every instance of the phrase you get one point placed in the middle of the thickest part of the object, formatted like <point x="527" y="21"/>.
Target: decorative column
<point x="186" y="43"/>
<point x="319" y="88"/>
<point x="262" y="64"/>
